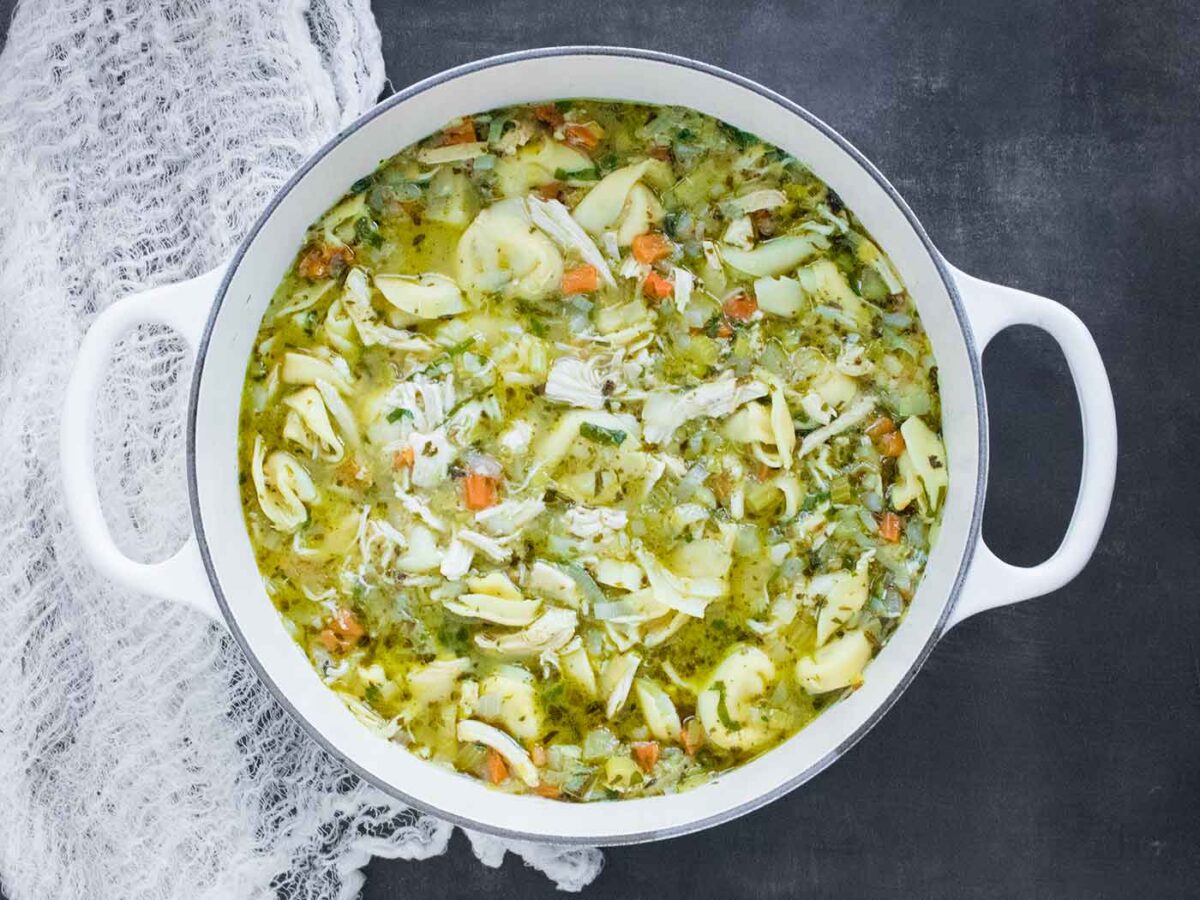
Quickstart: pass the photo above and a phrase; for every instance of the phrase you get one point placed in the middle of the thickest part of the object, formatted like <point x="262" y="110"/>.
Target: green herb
<point x="456" y="638"/>
<point x="451" y="354"/>
<point x="578" y="175"/>
<point x="361" y="185"/>
<point x="723" y="711"/>
<point x="372" y="694"/>
<point x="538" y="327"/>
<point x="399" y="413"/>
<point x="367" y="232"/>
<point x="742" y="139"/>
<point x="465" y="400"/>
<point x="685" y="134"/>
<point x="813" y="500"/>
<point x="600" y="435"/>
<point x="563" y="105"/>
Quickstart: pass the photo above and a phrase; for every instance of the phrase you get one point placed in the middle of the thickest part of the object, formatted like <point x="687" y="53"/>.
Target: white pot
<point x="219" y="315"/>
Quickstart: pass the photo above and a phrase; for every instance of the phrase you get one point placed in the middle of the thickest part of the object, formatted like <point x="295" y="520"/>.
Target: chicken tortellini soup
<point x="591" y="449"/>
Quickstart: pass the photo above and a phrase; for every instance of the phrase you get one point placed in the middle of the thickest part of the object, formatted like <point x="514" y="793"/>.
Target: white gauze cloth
<point x="139" y="755"/>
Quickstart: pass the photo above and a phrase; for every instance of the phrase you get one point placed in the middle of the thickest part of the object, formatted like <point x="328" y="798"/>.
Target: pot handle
<point x="990" y="581"/>
<point x="184" y="307"/>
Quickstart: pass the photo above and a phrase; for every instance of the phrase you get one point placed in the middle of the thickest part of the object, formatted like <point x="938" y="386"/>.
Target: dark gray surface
<point x="1049" y="749"/>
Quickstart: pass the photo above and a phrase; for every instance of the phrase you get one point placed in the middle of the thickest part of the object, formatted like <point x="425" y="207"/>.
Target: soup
<point x="591" y="448"/>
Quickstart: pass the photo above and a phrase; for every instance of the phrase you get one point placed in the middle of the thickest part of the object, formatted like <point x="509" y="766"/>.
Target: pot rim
<point x="759" y="800"/>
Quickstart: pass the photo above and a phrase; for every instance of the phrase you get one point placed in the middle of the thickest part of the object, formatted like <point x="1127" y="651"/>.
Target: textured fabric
<point x="139" y="755"/>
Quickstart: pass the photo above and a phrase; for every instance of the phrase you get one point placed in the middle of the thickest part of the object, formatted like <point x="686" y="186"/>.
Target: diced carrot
<point x="549" y="113"/>
<point x="346" y="625"/>
<point x="659" y="151"/>
<point x="889" y="527"/>
<point x="496" y="770"/>
<point x="549" y="791"/>
<point x="763" y="472"/>
<point x="350" y="471"/>
<point x="479" y="491"/>
<point x="691" y="735"/>
<point x="656" y="287"/>
<point x="323" y="260"/>
<point x="538" y="755"/>
<point x="650" y="247"/>
<point x="552" y="190"/>
<point x="583" y="136"/>
<point x="645" y="754"/>
<point x="881" y="426"/>
<point x="741" y="307"/>
<point x="461" y="133"/>
<point x="329" y="640"/>
<point x="891" y="444"/>
<point x="581" y="280"/>
<point x="724" y="330"/>
<point x="403" y="459"/>
<point x="343" y="631"/>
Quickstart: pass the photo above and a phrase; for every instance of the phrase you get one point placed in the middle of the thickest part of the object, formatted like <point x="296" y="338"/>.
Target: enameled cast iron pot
<point x="219" y="313"/>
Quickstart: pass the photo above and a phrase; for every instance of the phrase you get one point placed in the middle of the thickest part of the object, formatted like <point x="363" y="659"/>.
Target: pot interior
<point x="266" y="254"/>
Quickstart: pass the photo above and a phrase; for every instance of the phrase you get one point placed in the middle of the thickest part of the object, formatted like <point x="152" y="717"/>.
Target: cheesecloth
<point x="139" y="755"/>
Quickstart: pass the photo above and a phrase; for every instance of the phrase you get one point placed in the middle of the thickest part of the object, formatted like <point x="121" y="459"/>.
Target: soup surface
<point x="591" y="448"/>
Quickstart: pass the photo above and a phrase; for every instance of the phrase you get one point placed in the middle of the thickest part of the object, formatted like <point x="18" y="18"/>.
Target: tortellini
<point x="494" y="598"/>
<point x="844" y="594"/>
<point x="837" y="664"/>
<point x="536" y="164"/>
<point x="428" y="296"/>
<point x="727" y="707"/>
<point x="507" y="697"/>
<point x="620" y="200"/>
<point x="658" y="710"/>
<point x="928" y="457"/>
<point x="283" y="487"/>
<point x="309" y="426"/>
<point x="774" y="257"/>
<point x="502" y="252"/>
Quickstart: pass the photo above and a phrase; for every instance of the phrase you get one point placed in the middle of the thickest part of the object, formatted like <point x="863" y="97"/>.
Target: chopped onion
<point x="599" y="743"/>
<point x="691" y="482"/>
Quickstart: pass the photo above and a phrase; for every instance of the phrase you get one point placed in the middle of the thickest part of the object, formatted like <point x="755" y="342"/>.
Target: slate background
<point x="1047" y="749"/>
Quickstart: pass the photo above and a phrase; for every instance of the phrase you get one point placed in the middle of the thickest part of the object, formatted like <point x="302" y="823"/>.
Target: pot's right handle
<point x="992" y="582"/>
<point x="183" y="307"/>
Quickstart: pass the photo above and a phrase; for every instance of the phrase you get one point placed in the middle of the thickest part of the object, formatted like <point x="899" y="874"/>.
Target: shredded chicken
<point x="577" y="382"/>
<point x="665" y="411"/>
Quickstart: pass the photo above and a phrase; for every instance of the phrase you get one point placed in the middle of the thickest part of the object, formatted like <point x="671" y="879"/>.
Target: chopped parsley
<point x="612" y="436"/>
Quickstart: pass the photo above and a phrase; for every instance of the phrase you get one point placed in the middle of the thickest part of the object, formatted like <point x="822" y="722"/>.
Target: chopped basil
<point x="367" y="232"/>
<point x="578" y="175"/>
<point x="611" y="436"/>
<point x="399" y="413"/>
<point x="723" y="711"/>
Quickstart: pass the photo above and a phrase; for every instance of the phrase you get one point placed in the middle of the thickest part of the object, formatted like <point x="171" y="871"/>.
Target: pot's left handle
<point x="990" y="581"/>
<point x="183" y="307"/>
